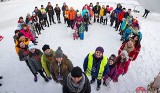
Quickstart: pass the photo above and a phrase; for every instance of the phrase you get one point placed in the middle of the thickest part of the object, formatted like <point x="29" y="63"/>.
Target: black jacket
<point x="96" y="9"/>
<point x="86" y="87"/>
<point x="50" y="10"/>
<point x="57" y="10"/>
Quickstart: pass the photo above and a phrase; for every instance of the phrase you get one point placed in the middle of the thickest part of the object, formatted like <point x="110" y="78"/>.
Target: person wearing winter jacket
<point x="106" y="15"/>
<point x="37" y="26"/>
<point x="27" y="33"/>
<point x="50" y="11"/>
<point x="71" y="16"/>
<point x="112" y="16"/>
<point x="21" y="38"/>
<point x="44" y="15"/>
<point x="137" y="45"/>
<point x="117" y="11"/>
<point x="112" y="74"/>
<point x="40" y="17"/>
<point x="34" y="60"/>
<point x="81" y="31"/>
<point x="84" y="11"/>
<point x="126" y="33"/>
<point x="60" y="66"/>
<point x="58" y="12"/>
<point x="102" y="11"/>
<point x="96" y="65"/>
<point x="77" y="21"/>
<point x="20" y="22"/>
<point x="15" y="37"/>
<point x="66" y="16"/>
<point x="129" y="47"/>
<point x="86" y="21"/>
<point x="23" y="54"/>
<point x="76" y="82"/>
<point x="128" y="13"/>
<point x="64" y="9"/>
<point x="96" y="11"/>
<point x="120" y="17"/>
<point x="46" y="59"/>
<point x="122" y="64"/>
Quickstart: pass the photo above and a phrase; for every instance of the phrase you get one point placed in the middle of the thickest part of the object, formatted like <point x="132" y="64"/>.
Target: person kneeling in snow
<point x="111" y="75"/>
<point x="34" y="61"/>
<point x="76" y="82"/>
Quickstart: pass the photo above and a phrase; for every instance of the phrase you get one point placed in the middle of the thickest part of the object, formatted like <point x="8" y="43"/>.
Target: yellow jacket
<point x="102" y="12"/>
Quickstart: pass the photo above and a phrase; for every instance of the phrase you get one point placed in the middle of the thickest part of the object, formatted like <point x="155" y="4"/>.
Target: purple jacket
<point x="112" y="73"/>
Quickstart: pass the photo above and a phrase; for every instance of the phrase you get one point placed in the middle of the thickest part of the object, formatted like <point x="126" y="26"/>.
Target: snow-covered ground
<point x="19" y="79"/>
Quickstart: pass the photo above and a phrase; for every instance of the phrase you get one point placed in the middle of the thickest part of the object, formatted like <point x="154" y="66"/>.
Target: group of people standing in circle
<point x="54" y="64"/>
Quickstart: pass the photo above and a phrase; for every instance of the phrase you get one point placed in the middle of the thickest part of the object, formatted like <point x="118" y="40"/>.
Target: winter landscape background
<point x="18" y="78"/>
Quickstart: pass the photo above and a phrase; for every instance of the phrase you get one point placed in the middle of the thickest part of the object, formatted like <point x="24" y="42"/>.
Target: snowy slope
<point x="17" y="76"/>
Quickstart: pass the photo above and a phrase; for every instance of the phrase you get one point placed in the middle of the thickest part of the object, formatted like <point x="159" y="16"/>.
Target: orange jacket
<point x="26" y="42"/>
<point x="66" y="14"/>
<point x="71" y="15"/>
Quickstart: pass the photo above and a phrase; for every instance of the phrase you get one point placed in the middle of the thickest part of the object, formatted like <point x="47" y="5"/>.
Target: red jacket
<point x="122" y="67"/>
<point x="131" y="54"/>
<point x="137" y="50"/>
<point x="121" y="16"/>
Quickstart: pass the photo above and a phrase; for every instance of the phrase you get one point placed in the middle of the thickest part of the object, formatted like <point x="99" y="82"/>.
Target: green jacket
<point x="46" y="62"/>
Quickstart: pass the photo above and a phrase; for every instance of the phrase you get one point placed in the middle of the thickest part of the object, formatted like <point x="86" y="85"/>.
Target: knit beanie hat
<point x="59" y="53"/>
<point x="45" y="47"/>
<point x="76" y="72"/>
<point x="112" y="57"/>
<point x="100" y="49"/>
<point x="124" y="52"/>
<point x="31" y="46"/>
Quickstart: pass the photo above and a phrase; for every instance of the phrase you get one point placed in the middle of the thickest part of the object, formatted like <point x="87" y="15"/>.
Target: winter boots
<point x="1" y="78"/>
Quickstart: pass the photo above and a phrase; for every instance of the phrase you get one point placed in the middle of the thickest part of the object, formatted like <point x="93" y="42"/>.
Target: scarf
<point x="75" y="87"/>
<point x="128" y="49"/>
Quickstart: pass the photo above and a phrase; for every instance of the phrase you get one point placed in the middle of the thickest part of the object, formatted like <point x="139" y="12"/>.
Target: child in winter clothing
<point x="34" y="61"/>
<point x="50" y="11"/>
<point x="127" y="33"/>
<point x="81" y="31"/>
<point x="111" y="75"/>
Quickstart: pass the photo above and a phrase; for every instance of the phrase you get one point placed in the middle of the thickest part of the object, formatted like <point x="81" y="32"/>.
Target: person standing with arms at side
<point x="96" y="11"/>
<point x="50" y="11"/>
<point x="64" y="9"/>
<point x="58" y="13"/>
<point x="96" y="65"/>
<point x="46" y="59"/>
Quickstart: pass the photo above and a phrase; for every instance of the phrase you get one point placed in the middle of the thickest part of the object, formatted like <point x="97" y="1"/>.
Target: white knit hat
<point x="31" y="46"/>
<point x="125" y="54"/>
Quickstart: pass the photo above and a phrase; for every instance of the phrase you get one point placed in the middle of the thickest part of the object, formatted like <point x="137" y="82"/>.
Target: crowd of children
<point x="29" y="29"/>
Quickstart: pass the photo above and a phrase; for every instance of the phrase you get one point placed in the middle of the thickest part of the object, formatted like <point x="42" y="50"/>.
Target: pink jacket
<point x="27" y="33"/>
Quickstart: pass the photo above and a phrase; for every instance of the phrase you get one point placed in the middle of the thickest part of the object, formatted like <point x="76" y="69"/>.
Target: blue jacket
<point x="84" y="11"/>
<point x="117" y="11"/>
<point x="97" y="63"/>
